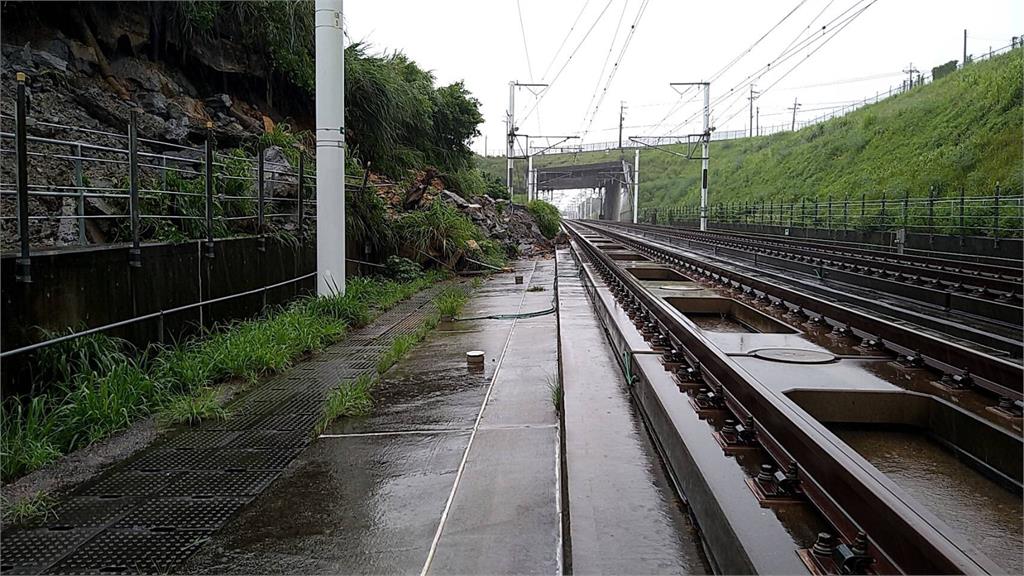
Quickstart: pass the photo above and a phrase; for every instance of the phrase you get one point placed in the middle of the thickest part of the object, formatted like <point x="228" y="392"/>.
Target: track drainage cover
<point x="681" y="288"/>
<point x="794" y="355"/>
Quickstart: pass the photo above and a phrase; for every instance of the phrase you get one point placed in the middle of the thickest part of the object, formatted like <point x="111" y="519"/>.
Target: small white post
<point x="330" y="148"/>
<point x="529" y="177"/>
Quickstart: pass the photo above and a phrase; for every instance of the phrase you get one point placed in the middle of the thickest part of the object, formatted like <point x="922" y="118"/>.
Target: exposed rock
<point x="277" y="184"/>
<point x="142" y="76"/>
<point x="454" y="198"/>
<point x="153" y="102"/>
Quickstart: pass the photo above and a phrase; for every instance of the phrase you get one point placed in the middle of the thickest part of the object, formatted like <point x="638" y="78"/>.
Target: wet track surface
<point x="370" y="494"/>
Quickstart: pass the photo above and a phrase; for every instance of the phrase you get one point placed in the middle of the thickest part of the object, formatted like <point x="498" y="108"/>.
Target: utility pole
<point x="757" y="122"/>
<point x="965" y="48"/>
<point x="753" y="95"/>
<point x="910" y="71"/>
<point x="512" y="133"/>
<point x="792" y="127"/>
<point x="330" y="148"/>
<point x="622" y="117"/>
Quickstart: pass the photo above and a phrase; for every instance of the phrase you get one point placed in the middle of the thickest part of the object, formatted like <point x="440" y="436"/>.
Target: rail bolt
<point x="767" y="474"/>
<point x="823" y="545"/>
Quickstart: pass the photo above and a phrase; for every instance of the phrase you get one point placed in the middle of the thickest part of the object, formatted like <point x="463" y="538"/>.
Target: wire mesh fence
<point x="996" y="214"/>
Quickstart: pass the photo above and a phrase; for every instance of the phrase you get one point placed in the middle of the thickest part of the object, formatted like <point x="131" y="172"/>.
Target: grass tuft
<point x="450" y="302"/>
<point x="557" y="393"/>
<point x="193" y="408"/>
<point x="349" y="399"/>
<point x="34" y="508"/>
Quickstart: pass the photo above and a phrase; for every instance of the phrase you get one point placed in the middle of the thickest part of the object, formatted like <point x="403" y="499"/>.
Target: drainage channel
<point x="751" y="411"/>
<point x="152" y="512"/>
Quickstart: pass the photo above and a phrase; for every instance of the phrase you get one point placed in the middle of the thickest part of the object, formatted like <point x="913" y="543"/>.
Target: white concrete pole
<point x="330" y="148"/>
<point x="529" y="177"/>
<point x="704" y="159"/>
<point x="636" y="184"/>
<point x="510" y="137"/>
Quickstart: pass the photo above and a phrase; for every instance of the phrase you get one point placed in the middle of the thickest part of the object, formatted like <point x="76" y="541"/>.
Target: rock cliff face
<point x="88" y="65"/>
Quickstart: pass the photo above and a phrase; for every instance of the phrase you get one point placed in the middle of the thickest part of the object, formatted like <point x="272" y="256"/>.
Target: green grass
<point x="450" y="302"/>
<point x="399" y="347"/>
<point x="547" y="217"/>
<point x="96" y="386"/>
<point x="193" y="408"/>
<point x="35" y="507"/>
<point x="351" y="398"/>
<point x="963" y="129"/>
<point x="557" y="393"/>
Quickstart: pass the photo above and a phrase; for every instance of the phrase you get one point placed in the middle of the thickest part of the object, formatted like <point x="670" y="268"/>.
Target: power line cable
<point x="604" y="65"/>
<point x="618" y="61"/>
<point x="568" y="60"/>
<point x="564" y="40"/>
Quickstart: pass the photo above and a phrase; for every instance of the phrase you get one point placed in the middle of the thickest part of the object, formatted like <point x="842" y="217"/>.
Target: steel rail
<point x="852" y="497"/>
<point x="944" y="275"/>
<point x="1008" y="267"/>
<point x="997" y="375"/>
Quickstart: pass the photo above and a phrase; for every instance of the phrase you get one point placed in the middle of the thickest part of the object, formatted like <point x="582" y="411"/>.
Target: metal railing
<point x="999" y="214"/>
<point x="163" y="190"/>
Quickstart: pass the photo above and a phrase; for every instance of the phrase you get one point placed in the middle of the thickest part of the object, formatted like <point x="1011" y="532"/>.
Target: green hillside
<point x="963" y="129"/>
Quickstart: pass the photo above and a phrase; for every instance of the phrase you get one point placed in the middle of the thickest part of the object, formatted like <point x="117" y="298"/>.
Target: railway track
<point x="982" y="308"/>
<point x="741" y="376"/>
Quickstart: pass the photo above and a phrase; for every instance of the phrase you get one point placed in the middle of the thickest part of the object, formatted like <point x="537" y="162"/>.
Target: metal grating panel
<point x="127" y="483"/>
<point x="239" y="420"/>
<point x="170" y="459"/>
<point x="131" y="553"/>
<point x="279" y="422"/>
<point x="181" y="513"/>
<point x="87" y="511"/>
<point x="250" y="459"/>
<point x="275" y="438"/>
<point x="237" y="484"/>
<point x="200" y="439"/>
<point x="33" y="550"/>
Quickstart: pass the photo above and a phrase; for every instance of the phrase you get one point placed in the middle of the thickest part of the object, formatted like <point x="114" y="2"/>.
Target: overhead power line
<point x="564" y="40"/>
<point x="604" y="65"/>
<point x="567" y="61"/>
<point x="618" y="61"/>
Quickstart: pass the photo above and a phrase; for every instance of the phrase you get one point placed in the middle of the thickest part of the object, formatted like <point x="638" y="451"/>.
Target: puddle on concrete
<point x="983" y="512"/>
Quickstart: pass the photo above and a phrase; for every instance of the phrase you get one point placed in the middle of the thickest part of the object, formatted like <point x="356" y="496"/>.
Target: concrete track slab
<point x="625" y="516"/>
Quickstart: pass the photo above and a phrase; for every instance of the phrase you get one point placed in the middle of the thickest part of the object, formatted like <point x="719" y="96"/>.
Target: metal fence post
<point x="262" y="241"/>
<point x="962" y="228"/>
<point x="828" y="218"/>
<point x="814" y="215"/>
<point x="135" y="254"/>
<point x="302" y="187"/>
<point x="80" y="184"/>
<point x="995" y="221"/>
<point x="881" y="214"/>
<point x="24" y="262"/>
<point x="863" y="206"/>
<point x="931" y="216"/>
<point x="208" y="150"/>
<point x="906" y="207"/>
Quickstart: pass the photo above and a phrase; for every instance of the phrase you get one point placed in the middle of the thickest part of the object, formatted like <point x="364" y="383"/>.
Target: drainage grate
<point x="240" y="420"/>
<point x="181" y="513"/>
<point x="301" y="405"/>
<point x="170" y="459"/>
<point x="276" y="438"/>
<point x="249" y="459"/>
<point x="200" y="484"/>
<point x="131" y="553"/>
<point x="32" y="550"/>
<point x="200" y="439"/>
<point x="87" y="511"/>
<point x="128" y="483"/>
<point x="288" y="422"/>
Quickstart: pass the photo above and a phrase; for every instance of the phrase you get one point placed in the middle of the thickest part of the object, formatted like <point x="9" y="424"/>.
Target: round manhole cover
<point x="682" y="288"/>
<point x="794" y="355"/>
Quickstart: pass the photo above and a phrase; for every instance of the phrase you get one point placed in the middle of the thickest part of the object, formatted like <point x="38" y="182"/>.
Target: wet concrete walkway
<point x="625" y="516"/>
<point x="455" y="472"/>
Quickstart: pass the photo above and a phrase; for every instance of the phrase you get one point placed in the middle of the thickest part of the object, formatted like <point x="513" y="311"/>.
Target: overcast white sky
<point x="481" y="42"/>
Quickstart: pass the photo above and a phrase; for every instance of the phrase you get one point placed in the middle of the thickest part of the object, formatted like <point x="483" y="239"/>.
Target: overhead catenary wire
<point x="618" y="61"/>
<point x="558" y="74"/>
<point x="604" y="65"/>
<point x="793" y="50"/>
